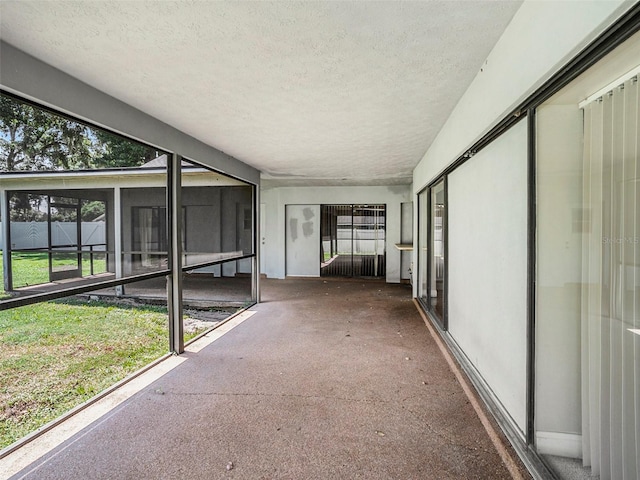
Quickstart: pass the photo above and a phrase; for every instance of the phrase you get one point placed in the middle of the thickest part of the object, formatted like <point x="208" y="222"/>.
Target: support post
<point x="6" y="246"/>
<point x="117" y="231"/>
<point x="255" y="261"/>
<point x="174" y="280"/>
<point x="530" y="430"/>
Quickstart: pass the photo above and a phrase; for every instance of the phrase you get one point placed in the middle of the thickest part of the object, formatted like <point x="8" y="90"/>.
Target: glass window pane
<point x="588" y="282"/>
<point x="437" y="265"/>
<point x="69" y="229"/>
<point x="423" y="239"/>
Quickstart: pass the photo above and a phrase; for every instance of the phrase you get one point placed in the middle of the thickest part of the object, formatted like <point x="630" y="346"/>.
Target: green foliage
<point x="33" y="268"/>
<point x="91" y="210"/>
<point x="118" y="152"/>
<point x="34" y="139"/>
<point x="27" y="207"/>
<point x="59" y="354"/>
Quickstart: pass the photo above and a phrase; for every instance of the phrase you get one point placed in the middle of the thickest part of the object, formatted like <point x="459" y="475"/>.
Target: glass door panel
<point x="423" y="242"/>
<point x="437" y="235"/>
<point x="65" y="260"/>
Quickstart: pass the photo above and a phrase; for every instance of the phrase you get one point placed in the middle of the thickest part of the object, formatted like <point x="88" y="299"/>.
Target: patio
<point x="323" y="379"/>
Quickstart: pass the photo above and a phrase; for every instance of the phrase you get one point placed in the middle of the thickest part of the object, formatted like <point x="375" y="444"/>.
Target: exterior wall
<point x="538" y="43"/>
<point x="276" y="199"/>
<point x="487" y="231"/>
<point x="233" y="200"/>
<point x="302" y="244"/>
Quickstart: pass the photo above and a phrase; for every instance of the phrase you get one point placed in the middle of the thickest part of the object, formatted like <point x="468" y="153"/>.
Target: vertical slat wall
<point x="352" y="240"/>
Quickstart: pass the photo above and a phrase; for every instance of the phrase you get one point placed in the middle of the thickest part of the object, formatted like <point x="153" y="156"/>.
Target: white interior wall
<point x="302" y="243"/>
<point x="487" y="233"/>
<point x="558" y="270"/>
<point x="276" y="199"/>
<point x="540" y="39"/>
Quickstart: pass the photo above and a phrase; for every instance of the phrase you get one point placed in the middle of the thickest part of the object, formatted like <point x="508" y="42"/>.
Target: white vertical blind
<point x="611" y="284"/>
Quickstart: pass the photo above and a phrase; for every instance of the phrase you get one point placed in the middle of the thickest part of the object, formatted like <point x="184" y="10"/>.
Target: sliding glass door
<point x="588" y="278"/>
<point x="611" y="284"/>
<point x="432" y="251"/>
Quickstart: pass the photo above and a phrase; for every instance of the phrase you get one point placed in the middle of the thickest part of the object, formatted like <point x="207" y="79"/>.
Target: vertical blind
<point x="611" y="284"/>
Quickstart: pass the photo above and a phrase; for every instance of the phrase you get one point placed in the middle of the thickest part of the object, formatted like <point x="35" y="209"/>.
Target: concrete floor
<point x="329" y="379"/>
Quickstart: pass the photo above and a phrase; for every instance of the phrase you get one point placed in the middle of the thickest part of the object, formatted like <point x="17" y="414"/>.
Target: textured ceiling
<point x="307" y="92"/>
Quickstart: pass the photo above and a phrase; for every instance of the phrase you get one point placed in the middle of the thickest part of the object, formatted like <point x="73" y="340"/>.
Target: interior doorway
<point x="352" y="240"/>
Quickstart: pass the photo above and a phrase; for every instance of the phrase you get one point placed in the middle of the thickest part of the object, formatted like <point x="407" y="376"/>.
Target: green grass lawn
<point x="56" y="355"/>
<point x="33" y="268"/>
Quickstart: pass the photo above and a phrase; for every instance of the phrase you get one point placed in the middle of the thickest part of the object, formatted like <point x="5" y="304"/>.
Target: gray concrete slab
<point x="328" y="379"/>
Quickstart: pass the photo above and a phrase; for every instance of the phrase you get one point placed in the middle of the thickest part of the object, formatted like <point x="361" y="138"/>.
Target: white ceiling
<point x="349" y="92"/>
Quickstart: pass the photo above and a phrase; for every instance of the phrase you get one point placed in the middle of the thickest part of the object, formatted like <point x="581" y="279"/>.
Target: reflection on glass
<point x="588" y="286"/>
<point x="150" y="240"/>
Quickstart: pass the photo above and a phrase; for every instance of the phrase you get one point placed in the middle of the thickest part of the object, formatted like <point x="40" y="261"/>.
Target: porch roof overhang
<point x="111" y="178"/>
<point x="308" y="93"/>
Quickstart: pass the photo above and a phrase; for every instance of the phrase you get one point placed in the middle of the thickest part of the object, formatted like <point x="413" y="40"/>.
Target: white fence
<point x="364" y="242"/>
<point x="34" y="234"/>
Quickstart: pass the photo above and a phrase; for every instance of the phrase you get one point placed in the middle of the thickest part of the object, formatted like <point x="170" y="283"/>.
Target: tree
<point x="119" y="152"/>
<point x="34" y="139"/>
<point x="92" y="209"/>
<point x="27" y="207"/>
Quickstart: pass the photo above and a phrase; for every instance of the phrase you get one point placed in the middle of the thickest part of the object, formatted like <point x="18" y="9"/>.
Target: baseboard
<point x="560" y="444"/>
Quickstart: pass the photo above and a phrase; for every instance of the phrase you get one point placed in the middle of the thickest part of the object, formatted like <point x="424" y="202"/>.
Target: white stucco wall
<point x="275" y="200"/>
<point x="487" y="232"/>
<point x="541" y="39"/>
<point x="302" y="245"/>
